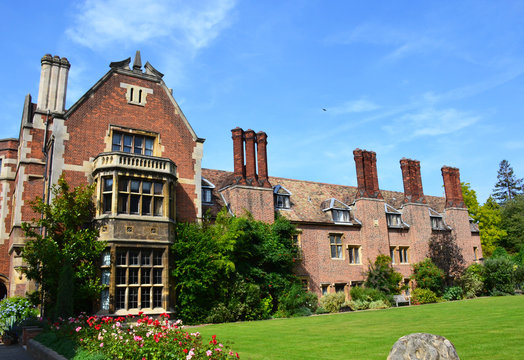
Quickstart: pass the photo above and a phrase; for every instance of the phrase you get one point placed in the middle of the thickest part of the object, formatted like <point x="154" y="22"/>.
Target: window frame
<point x="127" y="192"/>
<point x="335" y="242"/>
<point x="140" y="143"/>
<point x="403" y="254"/>
<point x="354" y="254"/>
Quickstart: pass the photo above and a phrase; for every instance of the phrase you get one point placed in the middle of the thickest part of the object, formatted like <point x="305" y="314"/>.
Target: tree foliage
<point x="513" y="224"/>
<point x="488" y="217"/>
<point x="446" y="255"/>
<point x="382" y="276"/>
<point x="65" y="231"/>
<point x="219" y="266"/>
<point x="507" y="186"/>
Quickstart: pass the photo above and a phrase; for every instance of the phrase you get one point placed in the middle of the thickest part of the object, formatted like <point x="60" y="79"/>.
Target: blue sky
<point x="440" y="82"/>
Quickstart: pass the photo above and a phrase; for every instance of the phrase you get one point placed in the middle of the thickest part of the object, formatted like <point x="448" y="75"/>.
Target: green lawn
<point x="485" y="328"/>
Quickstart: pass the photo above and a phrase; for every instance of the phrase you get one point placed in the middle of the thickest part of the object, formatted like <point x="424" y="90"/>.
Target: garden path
<point x="14" y="352"/>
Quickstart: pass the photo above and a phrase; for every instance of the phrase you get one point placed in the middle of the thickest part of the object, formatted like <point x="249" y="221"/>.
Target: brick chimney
<point x="452" y="187"/>
<point x="251" y="170"/>
<point x="53" y="84"/>
<point x="238" y="155"/>
<point x="367" y="179"/>
<point x="413" y="192"/>
<point x="262" y="159"/>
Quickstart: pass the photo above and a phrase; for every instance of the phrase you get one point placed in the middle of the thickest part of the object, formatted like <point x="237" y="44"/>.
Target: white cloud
<point x="102" y="24"/>
<point x="356" y="106"/>
<point x="431" y="122"/>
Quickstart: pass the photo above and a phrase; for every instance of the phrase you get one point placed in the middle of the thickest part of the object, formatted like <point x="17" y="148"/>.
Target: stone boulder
<point x="421" y="346"/>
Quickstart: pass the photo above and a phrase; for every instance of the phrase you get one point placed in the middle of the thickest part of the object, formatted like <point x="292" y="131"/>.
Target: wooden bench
<point x="402" y="299"/>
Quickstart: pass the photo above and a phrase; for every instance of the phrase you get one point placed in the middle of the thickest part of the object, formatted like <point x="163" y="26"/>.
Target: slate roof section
<point x="309" y="197"/>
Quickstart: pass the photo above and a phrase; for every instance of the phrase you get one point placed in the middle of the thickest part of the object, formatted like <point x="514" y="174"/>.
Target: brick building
<point x="128" y="135"/>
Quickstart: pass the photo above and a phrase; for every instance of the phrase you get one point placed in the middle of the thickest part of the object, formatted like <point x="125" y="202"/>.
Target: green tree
<point x="221" y="267"/>
<point x="428" y="276"/>
<point x="66" y="230"/>
<point x="382" y="276"/>
<point x="513" y="223"/>
<point x="487" y="216"/>
<point x="507" y="186"/>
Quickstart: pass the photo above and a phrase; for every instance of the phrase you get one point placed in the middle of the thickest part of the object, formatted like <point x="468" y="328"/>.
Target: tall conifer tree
<point x="507" y="186"/>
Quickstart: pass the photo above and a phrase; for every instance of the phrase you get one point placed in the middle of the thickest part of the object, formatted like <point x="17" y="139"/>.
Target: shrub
<point x="472" y="281"/>
<point x="379" y="304"/>
<point x="428" y="276"/>
<point x="14" y="310"/>
<point x="423" y="296"/>
<point x="297" y="302"/>
<point x="499" y="275"/>
<point x="382" y="276"/>
<point x="333" y="302"/>
<point x="358" y="305"/>
<point x="367" y="294"/>
<point x="453" y="293"/>
<point x="321" y="310"/>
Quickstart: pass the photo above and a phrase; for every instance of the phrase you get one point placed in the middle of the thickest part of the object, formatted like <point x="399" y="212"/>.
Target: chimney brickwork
<point x="251" y="170"/>
<point x="53" y="84"/>
<point x="238" y="155"/>
<point x="452" y="187"/>
<point x="367" y="178"/>
<point x="413" y="192"/>
<point x="262" y="160"/>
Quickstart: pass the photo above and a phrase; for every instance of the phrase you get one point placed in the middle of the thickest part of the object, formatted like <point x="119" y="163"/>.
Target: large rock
<point x="421" y="346"/>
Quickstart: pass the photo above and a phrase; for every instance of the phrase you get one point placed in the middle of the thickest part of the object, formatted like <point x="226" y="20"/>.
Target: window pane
<point x="339" y="251"/>
<point x="104" y="299"/>
<point x="128" y="141"/>
<point x="333" y="251"/>
<point x="107" y="202"/>
<point x="149" y="146"/>
<point x="146" y="187"/>
<point x="108" y="184"/>
<point x="135" y="200"/>
<point x="206" y="194"/>
<point x="138" y="144"/>
<point x="106" y="258"/>
<point x="157" y="276"/>
<point x="117" y="142"/>
<point x="123" y="203"/>
<point x="123" y="184"/>
<point x="158" y="206"/>
<point x="146" y="205"/>
<point x="133" y="276"/>
<point x="133" y="298"/>
<point x="157" y="258"/>
<point x="146" y="276"/>
<point x="121" y="258"/>
<point x="157" y="297"/>
<point x="158" y="188"/>
<point x="146" y="297"/>
<point x="146" y="257"/>
<point x="120" y="298"/>
<point x="135" y="186"/>
<point x="105" y="277"/>
<point x="133" y="258"/>
<point x="120" y="276"/>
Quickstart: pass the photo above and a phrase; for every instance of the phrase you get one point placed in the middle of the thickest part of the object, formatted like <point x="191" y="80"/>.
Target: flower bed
<point x="142" y="337"/>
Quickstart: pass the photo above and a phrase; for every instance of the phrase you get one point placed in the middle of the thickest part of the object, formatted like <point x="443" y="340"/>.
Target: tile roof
<point x="308" y="197"/>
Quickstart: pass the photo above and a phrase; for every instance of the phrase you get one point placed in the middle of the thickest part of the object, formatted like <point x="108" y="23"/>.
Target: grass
<point x="485" y="328"/>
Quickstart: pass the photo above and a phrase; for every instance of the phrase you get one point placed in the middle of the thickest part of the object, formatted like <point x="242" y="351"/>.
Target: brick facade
<point x="128" y="135"/>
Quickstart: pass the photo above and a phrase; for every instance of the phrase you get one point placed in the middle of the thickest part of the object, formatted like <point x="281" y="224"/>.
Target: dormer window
<point x="282" y="197"/>
<point x="437" y="222"/>
<point x="340" y="215"/>
<point x="394" y="218"/>
<point x="340" y="212"/>
<point x="207" y="192"/>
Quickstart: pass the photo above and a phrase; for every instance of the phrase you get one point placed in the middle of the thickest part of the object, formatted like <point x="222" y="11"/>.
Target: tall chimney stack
<point x="53" y="84"/>
<point x="262" y="159"/>
<point x="413" y="192"/>
<point x="452" y="187"/>
<point x="367" y="178"/>
<point x="251" y="171"/>
<point x="238" y="155"/>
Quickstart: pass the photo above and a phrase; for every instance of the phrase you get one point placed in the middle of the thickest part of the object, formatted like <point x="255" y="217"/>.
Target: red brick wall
<point x="89" y="124"/>
<point x="258" y="201"/>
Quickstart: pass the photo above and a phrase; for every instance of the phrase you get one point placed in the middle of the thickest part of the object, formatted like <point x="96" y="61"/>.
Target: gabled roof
<point x="308" y="197"/>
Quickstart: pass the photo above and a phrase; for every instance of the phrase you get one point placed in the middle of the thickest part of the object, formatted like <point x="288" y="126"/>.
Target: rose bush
<point x="139" y="337"/>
